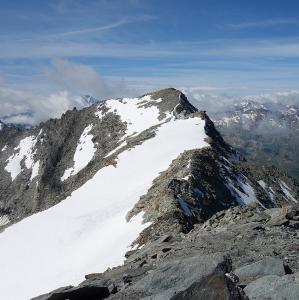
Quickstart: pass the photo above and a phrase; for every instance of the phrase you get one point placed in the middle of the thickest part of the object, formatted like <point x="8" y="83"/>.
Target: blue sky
<point x="241" y="47"/>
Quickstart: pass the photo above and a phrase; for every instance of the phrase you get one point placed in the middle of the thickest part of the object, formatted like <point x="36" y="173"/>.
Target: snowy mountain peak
<point x="89" y="100"/>
<point x="115" y="174"/>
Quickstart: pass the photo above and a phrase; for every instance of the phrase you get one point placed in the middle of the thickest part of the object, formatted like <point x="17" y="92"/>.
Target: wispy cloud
<point x="119" y="23"/>
<point x="212" y="49"/>
<point x="263" y="23"/>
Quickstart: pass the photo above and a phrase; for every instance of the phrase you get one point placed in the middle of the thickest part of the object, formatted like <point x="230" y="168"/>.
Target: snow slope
<point x="87" y="232"/>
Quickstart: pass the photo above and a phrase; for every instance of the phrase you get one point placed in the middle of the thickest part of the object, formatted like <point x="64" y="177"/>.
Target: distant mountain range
<point x="266" y="133"/>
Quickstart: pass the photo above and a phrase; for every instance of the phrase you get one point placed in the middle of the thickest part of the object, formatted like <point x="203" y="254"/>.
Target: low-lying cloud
<point x="223" y="102"/>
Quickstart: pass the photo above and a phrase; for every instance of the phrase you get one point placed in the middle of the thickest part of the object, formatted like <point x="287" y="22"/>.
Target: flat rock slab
<point x="273" y="287"/>
<point x="266" y="266"/>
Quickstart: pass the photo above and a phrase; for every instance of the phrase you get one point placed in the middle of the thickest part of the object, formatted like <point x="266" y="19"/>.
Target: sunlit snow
<point x="286" y="189"/>
<point x="246" y="194"/>
<point x="84" y="153"/>
<point x="25" y="151"/>
<point x="4" y="219"/>
<point x="262" y="184"/>
<point x="87" y="232"/>
<point x="134" y="113"/>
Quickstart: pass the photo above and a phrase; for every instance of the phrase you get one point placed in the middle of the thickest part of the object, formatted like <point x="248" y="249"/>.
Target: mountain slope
<point x="78" y="191"/>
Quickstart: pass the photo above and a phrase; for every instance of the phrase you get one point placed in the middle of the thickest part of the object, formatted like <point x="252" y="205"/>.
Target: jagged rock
<point x="91" y="292"/>
<point x="266" y="266"/>
<point x="216" y="286"/>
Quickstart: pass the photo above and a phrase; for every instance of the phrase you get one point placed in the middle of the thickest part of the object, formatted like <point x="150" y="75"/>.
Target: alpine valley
<point x="142" y="198"/>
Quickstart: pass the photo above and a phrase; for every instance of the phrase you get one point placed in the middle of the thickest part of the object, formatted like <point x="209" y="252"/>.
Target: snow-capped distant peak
<point x="89" y="100"/>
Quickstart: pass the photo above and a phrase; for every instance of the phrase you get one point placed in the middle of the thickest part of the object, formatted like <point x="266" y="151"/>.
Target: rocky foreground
<point x="239" y="253"/>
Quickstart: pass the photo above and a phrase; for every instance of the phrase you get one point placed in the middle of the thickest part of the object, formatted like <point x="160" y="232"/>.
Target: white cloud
<point x="67" y="82"/>
<point x="77" y="78"/>
<point x="80" y="79"/>
<point x="20" y="106"/>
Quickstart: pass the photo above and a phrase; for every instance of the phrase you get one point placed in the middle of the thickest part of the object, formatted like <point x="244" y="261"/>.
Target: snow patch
<point x="4" y="148"/>
<point x="4" y="219"/>
<point x="188" y="169"/>
<point x="99" y="114"/>
<point x="83" y="155"/>
<point x="271" y="193"/>
<point x="137" y="117"/>
<point x="269" y="190"/>
<point x="35" y="169"/>
<point x="262" y="184"/>
<point x="286" y="190"/>
<point x="25" y="151"/>
<point x="246" y="195"/>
